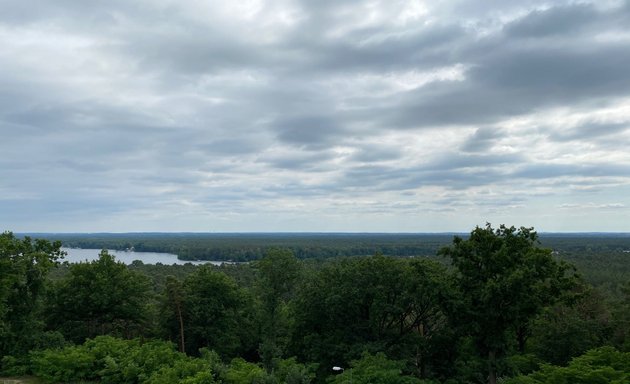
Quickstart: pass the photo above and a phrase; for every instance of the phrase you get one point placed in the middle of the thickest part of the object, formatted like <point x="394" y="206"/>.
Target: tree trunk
<point x="421" y="360"/>
<point x="181" y="329"/>
<point x="521" y="337"/>
<point x="492" y="367"/>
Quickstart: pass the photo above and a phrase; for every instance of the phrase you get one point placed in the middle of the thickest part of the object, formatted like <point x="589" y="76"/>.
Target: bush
<point x="65" y="365"/>
<point x="13" y="366"/>
<point x="603" y="365"/>
<point x="184" y="371"/>
<point x="109" y="360"/>
<point x="376" y="369"/>
<point x="289" y="371"/>
<point x="139" y="363"/>
<point x="242" y="372"/>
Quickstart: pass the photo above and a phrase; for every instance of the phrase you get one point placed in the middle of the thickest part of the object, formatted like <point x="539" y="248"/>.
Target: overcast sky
<point x="289" y="115"/>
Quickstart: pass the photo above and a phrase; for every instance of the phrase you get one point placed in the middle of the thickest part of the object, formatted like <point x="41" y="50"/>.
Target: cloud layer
<point x="314" y="116"/>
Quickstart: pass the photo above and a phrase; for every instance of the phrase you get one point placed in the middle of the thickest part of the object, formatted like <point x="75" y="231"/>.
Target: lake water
<point x="76" y="255"/>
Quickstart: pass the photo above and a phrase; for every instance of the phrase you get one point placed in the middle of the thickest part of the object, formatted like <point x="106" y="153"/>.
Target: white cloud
<point x="294" y="115"/>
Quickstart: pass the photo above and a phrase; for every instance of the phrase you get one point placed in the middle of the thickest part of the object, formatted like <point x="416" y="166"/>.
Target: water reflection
<point x="76" y="255"/>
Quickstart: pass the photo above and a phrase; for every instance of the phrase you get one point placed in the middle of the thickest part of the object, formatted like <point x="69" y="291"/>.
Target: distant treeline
<point x="253" y="246"/>
<point x="603" y="259"/>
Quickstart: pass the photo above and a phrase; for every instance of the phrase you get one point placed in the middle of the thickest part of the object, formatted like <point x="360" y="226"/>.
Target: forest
<point x="242" y="247"/>
<point x="497" y="305"/>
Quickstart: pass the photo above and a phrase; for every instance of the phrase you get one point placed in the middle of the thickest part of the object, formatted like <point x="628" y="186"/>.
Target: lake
<point x="75" y="255"/>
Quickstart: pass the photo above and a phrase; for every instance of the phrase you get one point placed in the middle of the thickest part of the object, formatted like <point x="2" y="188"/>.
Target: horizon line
<point x="296" y="233"/>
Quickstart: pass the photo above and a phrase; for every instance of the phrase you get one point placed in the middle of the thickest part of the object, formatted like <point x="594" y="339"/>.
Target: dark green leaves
<point x="503" y="280"/>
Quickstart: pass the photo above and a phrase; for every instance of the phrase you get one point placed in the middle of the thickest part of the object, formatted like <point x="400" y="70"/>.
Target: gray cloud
<point x="556" y="21"/>
<point x="543" y="171"/>
<point x="482" y="140"/>
<point x="310" y="161"/>
<point x="517" y="81"/>
<point x="452" y="171"/>
<point x="166" y="113"/>
<point x="308" y="131"/>
<point x="376" y="153"/>
<point x="589" y="131"/>
<point x="230" y="147"/>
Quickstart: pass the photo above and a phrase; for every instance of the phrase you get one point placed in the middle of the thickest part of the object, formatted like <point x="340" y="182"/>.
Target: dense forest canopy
<point x="248" y="246"/>
<point x="498" y="304"/>
<point x="585" y="250"/>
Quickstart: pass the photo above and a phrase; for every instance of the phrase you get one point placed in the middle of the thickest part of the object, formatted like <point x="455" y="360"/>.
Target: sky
<point x="314" y="116"/>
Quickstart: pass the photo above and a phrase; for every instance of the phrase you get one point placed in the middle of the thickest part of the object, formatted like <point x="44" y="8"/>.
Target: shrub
<point x="64" y="365"/>
<point x="14" y="366"/>
<point x="603" y="365"/>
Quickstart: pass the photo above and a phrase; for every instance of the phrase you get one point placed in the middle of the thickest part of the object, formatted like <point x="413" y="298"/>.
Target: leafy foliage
<point x="99" y="297"/>
<point x="385" y="319"/>
<point x="603" y="365"/>
<point x="504" y="280"/>
<point x="278" y="272"/>
<point x="375" y="369"/>
<point x="24" y="264"/>
<point x="106" y="359"/>
<point x="109" y="360"/>
<point x="569" y="329"/>
<point x="215" y="312"/>
<point x="368" y="304"/>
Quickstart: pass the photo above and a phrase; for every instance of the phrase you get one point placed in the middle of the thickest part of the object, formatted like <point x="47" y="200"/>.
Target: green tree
<point x="603" y="365"/>
<point x="621" y="319"/>
<point x="242" y="372"/>
<point x="100" y="297"/>
<point x="374" y="304"/>
<point x="289" y="371"/>
<point x="110" y="360"/>
<point x="504" y="280"/>
<point x="278" y="271"/>
<point x="568" y="329"/>
<point x="375" y="369"/>
<point x="24" y="264"/>
<point x="174" y="305"/>
<point x="217" y="313"/>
